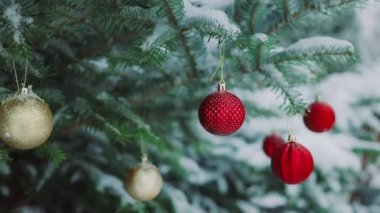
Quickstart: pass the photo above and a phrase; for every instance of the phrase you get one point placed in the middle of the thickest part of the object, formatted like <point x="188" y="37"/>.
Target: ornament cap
<point x="24" y="91"/>
<point x="292" y="138"/>
<point x="318" y="98"/>
<point x="30" y="89"/>
<point x="144" y="158"/>
<point x="222" y="85"/>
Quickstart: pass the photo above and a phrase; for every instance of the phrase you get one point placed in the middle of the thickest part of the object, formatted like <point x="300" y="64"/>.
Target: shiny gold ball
<point x="144" y="182"/>
<point x="25" y="121"/>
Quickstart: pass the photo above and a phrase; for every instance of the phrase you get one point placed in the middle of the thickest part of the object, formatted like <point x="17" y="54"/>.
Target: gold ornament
<point x="25" y="120"/>
<point x="144" y="181"/>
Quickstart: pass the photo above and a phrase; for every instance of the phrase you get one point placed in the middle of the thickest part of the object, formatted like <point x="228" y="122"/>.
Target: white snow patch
<point x="341" y="95"/>
<point x="369" y="32"/>
<point x="375" y="181"/>
<point x="275" y="74"/>
<point x="251" y="153"/>
<point x="313" y="189"/>
<point x="180" y="201"/>
<point x="219" y="16"/>
<point x="214" y="4"/>
<point x="195" y="173"/>
<point x="159" y="29"/>
<point x="247" y="207"/>
<point x="331" y="151"/>
<point x="261" y="36"/>
<point x="13" y="14"/>
<point x="211" y="60"/>
<point x="318" y="41"/>
<point x="238" y="149"/>
<point x="100" y="63"/>
<point x="270" y="200"/>
<point x="105" y="182"/>
<point x="293" y="190"/>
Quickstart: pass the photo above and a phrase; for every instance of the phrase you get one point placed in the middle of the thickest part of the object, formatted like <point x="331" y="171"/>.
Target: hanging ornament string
<point x="16" y="76"/>
<point x="143" y="148"/>
<point x="220" y="66"/>
<point x="25" y="73"/>
<point x="290" y="125"/>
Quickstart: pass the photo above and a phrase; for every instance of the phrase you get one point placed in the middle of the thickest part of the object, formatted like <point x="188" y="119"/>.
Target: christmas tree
<point x="124" y="80"/>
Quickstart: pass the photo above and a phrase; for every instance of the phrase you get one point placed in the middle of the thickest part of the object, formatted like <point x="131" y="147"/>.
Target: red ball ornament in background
<point x="271" y="142"/>
<point x="221" y="113"/>
<point x="319" y="117"/>
<point x="292" y="162"/>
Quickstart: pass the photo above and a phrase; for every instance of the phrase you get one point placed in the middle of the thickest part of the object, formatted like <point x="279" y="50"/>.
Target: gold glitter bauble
<point x="144" y="182"/>
<point x="25" y="121"/>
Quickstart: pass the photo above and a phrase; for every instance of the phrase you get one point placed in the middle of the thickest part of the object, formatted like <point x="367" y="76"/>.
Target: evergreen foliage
<point x="121" y="74"/>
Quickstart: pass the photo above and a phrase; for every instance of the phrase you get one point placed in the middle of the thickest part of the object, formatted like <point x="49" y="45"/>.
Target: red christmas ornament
<point x="221" y="113"/>
<point x="292" y="162"/>
<point x="319" y="117"/>
<point x="271" y="142"/>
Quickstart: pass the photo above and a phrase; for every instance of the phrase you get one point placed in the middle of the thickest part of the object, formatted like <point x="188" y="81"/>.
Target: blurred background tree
<point x="121" y="73"/>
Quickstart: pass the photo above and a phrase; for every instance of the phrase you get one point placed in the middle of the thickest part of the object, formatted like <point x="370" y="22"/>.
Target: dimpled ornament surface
<point x="292" y="163"/>
<point x="144" y="182"/>
<point x="221" y="113"/>
<point x="25" y="121"/>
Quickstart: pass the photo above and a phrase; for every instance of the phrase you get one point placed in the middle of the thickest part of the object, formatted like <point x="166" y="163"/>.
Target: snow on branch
<point x="295" y="10"/>
<point x="320" y="41"/>
<point x="162" y="34"/>
<point x="292" y="103"/>
<point x="215" y="4"/>
<point x="320" y="48"/>
<point x="12" y="13"/>
<point x="218" y="16"/>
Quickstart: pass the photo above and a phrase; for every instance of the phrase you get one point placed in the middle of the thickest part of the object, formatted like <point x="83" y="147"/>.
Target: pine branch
<point x="52" y="153"/>
<point x="246" y="12"/>
<point x="257" y="46"/>
<point x="316" y="56"/>
<point x="286" y="11"/>
<point x="258" y="57"/>
<point x="292" y="102"/>
<point x="319" y="49"/>
<point x="162" y="90"/>
<point x="210" y="27"/>
<point x="308" y="7"/>
<point x="251" y="24"/>
<point x="182" y="37"/>
<point x="4" y="155"/>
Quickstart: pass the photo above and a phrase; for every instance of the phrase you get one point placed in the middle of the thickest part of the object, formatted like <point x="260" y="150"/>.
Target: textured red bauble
<point x="292" y="163"/>
<point x="271" y="142"/>
<point x="221" y="113"/>
<point x="319" y="117"/>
